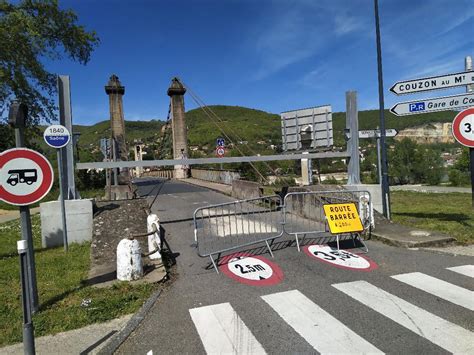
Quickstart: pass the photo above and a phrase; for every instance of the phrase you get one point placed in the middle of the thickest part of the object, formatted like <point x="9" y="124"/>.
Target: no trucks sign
<point x="343" y="218"/>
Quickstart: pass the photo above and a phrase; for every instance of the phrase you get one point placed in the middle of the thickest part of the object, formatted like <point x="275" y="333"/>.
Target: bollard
<point x="154" y="241"/>
<point x="129" y="260"/>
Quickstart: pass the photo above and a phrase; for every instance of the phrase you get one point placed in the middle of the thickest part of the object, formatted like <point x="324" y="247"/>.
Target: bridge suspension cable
<point x="209" y="112"/>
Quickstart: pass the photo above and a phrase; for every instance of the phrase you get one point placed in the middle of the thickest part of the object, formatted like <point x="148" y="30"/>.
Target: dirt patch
<point x="114" y="221"/>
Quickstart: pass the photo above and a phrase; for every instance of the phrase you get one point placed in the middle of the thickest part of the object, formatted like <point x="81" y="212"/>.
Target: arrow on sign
<point x="445" y="103"/>
<point x="375" y="133"/>
<point x="433" y="83"/>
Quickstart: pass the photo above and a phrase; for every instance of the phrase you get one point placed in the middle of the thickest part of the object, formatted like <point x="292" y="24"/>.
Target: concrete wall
<point x="79" y="219"/>
<point x="220" y="176"/>
<point x="159" y="173"/>
<point x="375" y="193"/>
<point x="244" y="190"/>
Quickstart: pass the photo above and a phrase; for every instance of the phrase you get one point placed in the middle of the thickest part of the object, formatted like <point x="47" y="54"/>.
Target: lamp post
<point x="384" y="165"/>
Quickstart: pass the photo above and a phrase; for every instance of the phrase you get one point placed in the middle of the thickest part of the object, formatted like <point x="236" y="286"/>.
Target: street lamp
<point x="384" y="165"/>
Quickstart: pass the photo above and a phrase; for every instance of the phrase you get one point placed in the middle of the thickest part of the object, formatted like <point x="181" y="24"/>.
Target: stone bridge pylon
<point x="180" y="139"/>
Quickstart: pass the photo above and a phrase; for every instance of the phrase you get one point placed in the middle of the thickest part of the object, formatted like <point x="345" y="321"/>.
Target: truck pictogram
<point x="22" y="176"/>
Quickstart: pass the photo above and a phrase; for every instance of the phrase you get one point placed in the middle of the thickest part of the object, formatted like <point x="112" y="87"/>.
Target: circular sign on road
<point x="251" y="270"/>
<point x="220" y="152"/>
<point x="340" y="258"/>
<point x="56" y="136"/>
<point x="26" y="176"/>
<point x="463" y="127"/>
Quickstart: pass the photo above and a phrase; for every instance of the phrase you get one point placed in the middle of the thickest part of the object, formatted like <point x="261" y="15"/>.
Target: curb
<point x="115" y="341"/>
<point x="411" y="243"/>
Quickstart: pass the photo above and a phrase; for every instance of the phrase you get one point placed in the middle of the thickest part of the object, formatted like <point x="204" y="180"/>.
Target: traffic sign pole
<point x="385" y="189"/>
<point x="17" y="117"/>
<point x="28" y="329"/>
<point x="58" y="137"/>
<point x="61" y="197"/>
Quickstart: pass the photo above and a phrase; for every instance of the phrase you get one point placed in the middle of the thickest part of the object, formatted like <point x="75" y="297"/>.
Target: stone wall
<point x="219" y="176"/>
<point x="244" y="190"/>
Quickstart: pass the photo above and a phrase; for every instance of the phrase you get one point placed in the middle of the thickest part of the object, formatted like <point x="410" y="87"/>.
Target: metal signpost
<point x="433" y="83"/>
<point x="26" y="177"/>
<point x="463" y="131"/>
<point x="432" y="105"/>
<point x="220" y="149"/>
<point x="58" y="136"/>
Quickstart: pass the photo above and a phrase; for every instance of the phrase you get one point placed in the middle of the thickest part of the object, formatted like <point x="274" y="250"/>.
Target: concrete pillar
<point x="115" y="90"/>
<point x="352" y="125"/>
<point x="180" y="139"/>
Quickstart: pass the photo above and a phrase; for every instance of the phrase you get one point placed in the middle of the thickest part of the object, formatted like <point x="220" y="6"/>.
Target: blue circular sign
<point x="56" y="136"/>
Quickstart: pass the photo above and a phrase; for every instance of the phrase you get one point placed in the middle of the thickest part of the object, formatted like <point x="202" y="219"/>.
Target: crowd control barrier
<point x="227" y="226"/>
<point x="304" y="213"/>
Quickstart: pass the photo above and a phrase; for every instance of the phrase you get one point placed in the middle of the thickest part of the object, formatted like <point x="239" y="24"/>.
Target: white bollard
<point x="153" y="223"/>
<point x="129" y="260"/>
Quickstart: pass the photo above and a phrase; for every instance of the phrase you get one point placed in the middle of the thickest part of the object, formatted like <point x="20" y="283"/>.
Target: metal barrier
<point x="227" y="226"/>
<point x="304" y="213"/>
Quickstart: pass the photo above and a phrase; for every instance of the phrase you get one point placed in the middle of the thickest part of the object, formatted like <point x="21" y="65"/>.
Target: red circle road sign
<point x="251" y="270"/>
<point x="342" y="259"/>
<point x="26" y="176"/>
<point x="220" y="151"/>
<point x="463" y="127"/>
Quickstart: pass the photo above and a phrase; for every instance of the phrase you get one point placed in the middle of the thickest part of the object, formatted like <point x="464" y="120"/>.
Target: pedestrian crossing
<point x="221" y="329"/>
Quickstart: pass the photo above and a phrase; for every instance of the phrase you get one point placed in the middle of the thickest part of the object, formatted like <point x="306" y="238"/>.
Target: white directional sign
<point x="432" y="105"/>
<point x="433" y="83"/>
<point x="375" y="133"/>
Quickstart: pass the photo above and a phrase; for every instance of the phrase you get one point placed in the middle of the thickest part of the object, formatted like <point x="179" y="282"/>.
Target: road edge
<point x="119" y="338"/>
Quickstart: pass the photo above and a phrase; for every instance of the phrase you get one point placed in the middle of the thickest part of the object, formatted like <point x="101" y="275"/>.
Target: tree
<point x="31" y="30"/>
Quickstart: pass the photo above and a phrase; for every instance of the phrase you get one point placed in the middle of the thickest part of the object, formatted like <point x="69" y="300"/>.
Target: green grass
<point x="450" y="213"/>
<point x="60" y="287"/>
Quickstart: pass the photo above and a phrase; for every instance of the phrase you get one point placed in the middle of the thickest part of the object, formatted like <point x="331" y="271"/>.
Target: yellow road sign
<point x="343" y="218"/>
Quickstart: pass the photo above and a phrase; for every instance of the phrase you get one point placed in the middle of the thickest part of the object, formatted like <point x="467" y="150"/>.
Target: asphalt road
<point x="323" y="308"/>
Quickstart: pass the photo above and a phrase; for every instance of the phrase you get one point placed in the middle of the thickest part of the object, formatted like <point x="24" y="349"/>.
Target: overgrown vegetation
<point x="61" y="289"/>
<point x="448" y="213"/>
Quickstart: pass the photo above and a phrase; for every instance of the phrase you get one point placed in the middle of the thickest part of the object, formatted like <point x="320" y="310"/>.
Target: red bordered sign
<point x="220" y="151"/>
<point x="254" y="270"/>
<point x="26" y="176"/>
<point x="463" y="127"/>
<point x="342" y="259"/>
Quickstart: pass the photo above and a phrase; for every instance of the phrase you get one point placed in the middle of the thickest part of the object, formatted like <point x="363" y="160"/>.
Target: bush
<point x="458" y="177"/>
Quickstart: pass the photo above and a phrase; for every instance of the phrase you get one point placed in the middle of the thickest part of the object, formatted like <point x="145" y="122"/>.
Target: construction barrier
<point x="304" y="213"/>
<point x="227" y="226"/>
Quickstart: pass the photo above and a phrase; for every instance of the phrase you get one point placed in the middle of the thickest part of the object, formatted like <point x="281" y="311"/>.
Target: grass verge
<point x="61" y="289"/>
<point x="450" y="213"/>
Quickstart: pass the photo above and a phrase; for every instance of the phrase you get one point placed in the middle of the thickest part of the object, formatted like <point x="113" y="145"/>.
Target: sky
<point x="271" y="55"/>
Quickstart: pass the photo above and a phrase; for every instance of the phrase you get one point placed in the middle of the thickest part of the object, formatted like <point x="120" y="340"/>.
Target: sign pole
<point x="384" y="166"/>
<point x="17" y="117"/>
<point x="379" y="163"/>
<point x="471" y="162"/>
<point x="28" y="328"/>
<point x="58" y="137"/>
<point x="61" y="197"/>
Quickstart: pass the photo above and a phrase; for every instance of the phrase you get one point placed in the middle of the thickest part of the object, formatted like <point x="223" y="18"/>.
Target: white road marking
<point x="467" y="270"/>
<point x="222" y="331"/>
<point x="150" y="352"/>
<point x="324" y="332"/>
<point x="439" y="288"/>
<point x="447" y="335"/>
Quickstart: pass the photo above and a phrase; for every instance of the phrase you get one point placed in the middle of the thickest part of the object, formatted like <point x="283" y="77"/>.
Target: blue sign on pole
<point x="220" y="142"/>
<point x="56" y="136"/>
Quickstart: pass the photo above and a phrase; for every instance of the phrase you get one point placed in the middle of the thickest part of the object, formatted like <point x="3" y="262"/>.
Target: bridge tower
<point x="115" y="90"/>
<point x="180" y="140"/>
